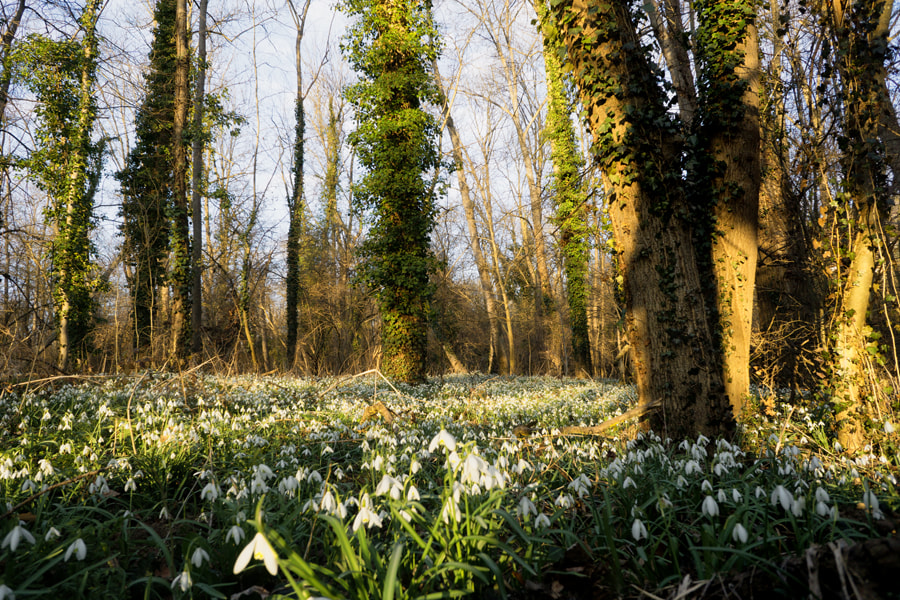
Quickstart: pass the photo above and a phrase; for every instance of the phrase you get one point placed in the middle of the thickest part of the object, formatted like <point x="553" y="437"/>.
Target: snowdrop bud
<point x="198" y="556"/>
<point x="638" y="530"/>
<point x="709" y="507"/>
<point x="77" y="548"/>
<point x="739" y="534"/>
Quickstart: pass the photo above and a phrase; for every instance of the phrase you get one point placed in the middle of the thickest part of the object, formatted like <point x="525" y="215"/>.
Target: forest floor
<point x="167" y="486"/>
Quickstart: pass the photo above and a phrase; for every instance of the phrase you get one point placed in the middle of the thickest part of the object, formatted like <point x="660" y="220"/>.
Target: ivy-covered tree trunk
<point x="179" y="240"/>
<point x="859" y="31"/>
<point x="390" y="45"/>
<point x="671" y="327"/>
<point x="727" y="49"/>
<point x="296" y="206"/>
<point x="196" y="185"/>
<point x="146" y="182"/>
<point x="571" y="205"/>
<point x="66" y="164"/>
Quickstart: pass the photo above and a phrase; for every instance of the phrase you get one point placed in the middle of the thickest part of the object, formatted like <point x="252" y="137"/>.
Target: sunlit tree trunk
<point x="660" y="220"/>
<point x="180" y="243"/>
<point x="196" y="183"/>
<point x="730" y="105"/>
<point x="859" y="30"/>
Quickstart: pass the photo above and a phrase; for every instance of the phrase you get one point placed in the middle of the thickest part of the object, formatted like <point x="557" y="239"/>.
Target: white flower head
<point x="542" y="521"/>
<point x="77" y="548"/>
<point x="526" y="507"/>
<point x="14" y="537"/>
<point x="236" y="533"/>
<point x="781" y="496"/>
<point x="259" y="548"/>
<point x="638" y="530"/>
<point x="443" y="438"/>
<point x="739" y="534"/>
<point x="53" y="533"/>
<point x="198" y="556"/>
<point x="6" y="593"/>
<point x="366" y="516"/>
<point x="210" y="492"/>
<point x="870" y="502"/>
<point x="710" y="507"/>
<point x="183" y="581"/>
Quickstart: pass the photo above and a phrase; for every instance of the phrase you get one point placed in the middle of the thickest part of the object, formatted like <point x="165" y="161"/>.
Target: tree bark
<point x="9" y="34"/>
<point x="677" y="367"/>
<point x="196" y="184"/>
<point x="734" y="147"/>
<point x="296" y="207"/>
<point x="860" y="32"/>
<point x="180" y="236"/>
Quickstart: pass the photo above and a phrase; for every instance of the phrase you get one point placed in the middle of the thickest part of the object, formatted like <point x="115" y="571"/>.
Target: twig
<point x="47" y="489"/>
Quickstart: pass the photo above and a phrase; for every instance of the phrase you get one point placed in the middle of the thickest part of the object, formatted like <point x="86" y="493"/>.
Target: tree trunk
<point x="296" y="207"/>
<point x="677" y="367"/>
<point x="571" y="205"/>
<point x="860" y="37"/>
<point x="732" y="131"/>
<point x="9" y="34"/>
<point x="180" y="237"/>
<point x="196" y="184"/>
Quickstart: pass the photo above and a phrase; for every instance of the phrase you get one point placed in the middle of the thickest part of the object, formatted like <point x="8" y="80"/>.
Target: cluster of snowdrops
<point x="194" y="486"/>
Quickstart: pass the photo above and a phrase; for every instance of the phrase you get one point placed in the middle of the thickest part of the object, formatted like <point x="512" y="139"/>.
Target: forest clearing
<point x="164" y="486"/>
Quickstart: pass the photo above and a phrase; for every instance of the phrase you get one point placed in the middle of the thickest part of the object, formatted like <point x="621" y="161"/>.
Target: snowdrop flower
<point x="130" y="485"/>
<point x="870" y="502"/>
<point x="629" y="482"/>
<point x="389" y="486"/>
<point x="663" y="502"/>
<point x="6" y="593"/>
<point x="412" y="495"/>
<point x="638" y="530"/>
<point x="722" y="496"/>
<point x="526" y="507"/>
<point x="783" y="497"/>
<point x="259" y="548"/>
<point x="183" y="581"/>
<point x="691" y="467"/>
<point x="709" y="507"/>
<point x="706" y="486"/>
<point x="542" y="521"/>
<point x="888" y="427"/>
<point x="210" y="492"/>
<point x="736" y="495"/>
<point x="680" y="482"/>
<point x="198" y="556"/>
<point x="739" y="534"/>
<point x="443" y="438"/>
<point x="53" y="533"/>
<point x="366" y="516"/>
<point x="77" y="548"/>
<point x="14" y="537"/>
<point x="236" y="533"/>
<point x="798" y="506"/>
<point x="581" y="485"/>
